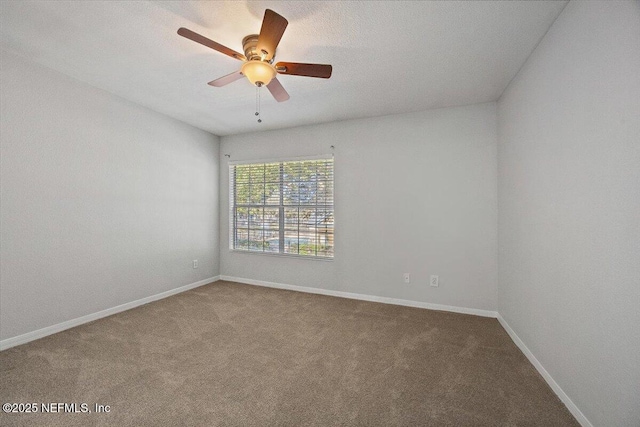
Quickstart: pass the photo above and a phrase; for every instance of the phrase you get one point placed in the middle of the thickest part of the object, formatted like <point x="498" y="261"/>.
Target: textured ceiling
<point x="388" y="57"/>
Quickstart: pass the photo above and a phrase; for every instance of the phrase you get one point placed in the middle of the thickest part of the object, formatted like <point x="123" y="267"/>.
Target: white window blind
<point x="282" y="207"/>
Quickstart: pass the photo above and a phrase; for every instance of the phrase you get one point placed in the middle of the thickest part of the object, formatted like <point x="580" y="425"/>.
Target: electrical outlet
<point x="406" y="277"/>
<point x="434" y="281"/>
<point x="195" y="263"/>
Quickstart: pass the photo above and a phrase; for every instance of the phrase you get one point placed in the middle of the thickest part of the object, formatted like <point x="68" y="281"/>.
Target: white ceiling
<point x="388" y="57"/>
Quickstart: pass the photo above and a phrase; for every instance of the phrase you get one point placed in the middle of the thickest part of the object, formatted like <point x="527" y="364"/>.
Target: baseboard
<point x="547" y="377"/>
<point x="363" y="297"/>
<point x="49" y="330"/>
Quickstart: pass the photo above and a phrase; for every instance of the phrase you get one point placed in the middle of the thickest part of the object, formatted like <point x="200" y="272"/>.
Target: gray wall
<point x="569" y="207"/>
<point x="103" y="202"/>
<point x="414" y="193"/>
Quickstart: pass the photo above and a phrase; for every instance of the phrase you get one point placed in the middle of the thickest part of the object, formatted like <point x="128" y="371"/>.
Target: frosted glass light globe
<point x="258" y="72"/>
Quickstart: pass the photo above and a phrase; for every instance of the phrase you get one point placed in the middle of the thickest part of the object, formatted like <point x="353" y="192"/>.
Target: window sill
<point x="279" y="255"/>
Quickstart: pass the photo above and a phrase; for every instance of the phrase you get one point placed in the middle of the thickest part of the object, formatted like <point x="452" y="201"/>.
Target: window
<point x="282" y="207"/>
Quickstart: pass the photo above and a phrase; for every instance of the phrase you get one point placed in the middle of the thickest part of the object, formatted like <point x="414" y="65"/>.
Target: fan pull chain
<point x="258" y="104"/>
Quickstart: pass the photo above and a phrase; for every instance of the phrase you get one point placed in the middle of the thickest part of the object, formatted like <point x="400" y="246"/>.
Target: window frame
<point x="281" y="206"/>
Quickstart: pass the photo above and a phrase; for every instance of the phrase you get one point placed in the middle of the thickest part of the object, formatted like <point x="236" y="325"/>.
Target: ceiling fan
<point x="259" y="54"/>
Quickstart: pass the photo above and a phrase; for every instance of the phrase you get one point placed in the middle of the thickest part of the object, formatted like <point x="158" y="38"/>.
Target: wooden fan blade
<point x="277" y="90"/>
<point x="309" y="70"/>
<point x="225" y="80"/>
<point x="273" y="26"/>
<point x="184" y="32"/>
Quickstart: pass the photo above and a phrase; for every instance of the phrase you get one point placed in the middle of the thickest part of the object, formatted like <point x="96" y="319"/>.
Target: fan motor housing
<point x="250" y="46"/>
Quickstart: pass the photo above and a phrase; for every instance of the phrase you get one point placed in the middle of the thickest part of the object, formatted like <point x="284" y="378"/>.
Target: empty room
<point x="320" y="213"/>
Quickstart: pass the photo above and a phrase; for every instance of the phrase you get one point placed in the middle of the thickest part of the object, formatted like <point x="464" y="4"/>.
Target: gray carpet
<point x="227" y="354"/>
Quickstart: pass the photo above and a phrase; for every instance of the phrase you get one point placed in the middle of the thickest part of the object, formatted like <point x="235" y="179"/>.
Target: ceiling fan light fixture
<point x="259" y="72"/>
<point x="259" y="56"/>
